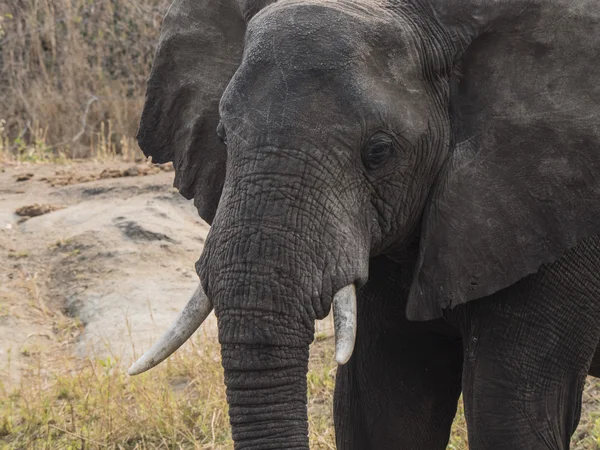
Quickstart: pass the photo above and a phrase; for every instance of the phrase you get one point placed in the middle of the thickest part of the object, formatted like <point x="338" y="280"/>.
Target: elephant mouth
<point x="200" y="306"/>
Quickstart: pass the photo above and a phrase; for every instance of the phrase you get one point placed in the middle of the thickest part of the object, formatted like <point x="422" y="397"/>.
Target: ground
<point x="95" y="261"/>
<point x="115" y="250"/>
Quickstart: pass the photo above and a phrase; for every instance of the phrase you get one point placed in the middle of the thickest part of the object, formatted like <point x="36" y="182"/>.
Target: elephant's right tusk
<point x="344" y="318"/>
<point x="188" y="321"/>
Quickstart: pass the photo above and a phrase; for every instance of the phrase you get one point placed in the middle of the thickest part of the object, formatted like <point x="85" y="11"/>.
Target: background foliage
<point x="73" y="72"/>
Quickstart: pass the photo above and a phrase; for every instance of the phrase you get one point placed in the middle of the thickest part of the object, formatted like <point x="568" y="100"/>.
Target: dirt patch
<point x="104" y="273"/>
<point x="136" y="232"/>
<point x="36" y="210"/>
<point x="64" y="177"/>
<point x="24" y="177"/>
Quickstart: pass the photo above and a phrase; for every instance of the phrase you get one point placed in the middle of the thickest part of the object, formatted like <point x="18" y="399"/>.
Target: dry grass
<point x="94" y="404"/>
<point x="72" y="74"/>
<point x="180" y="405"/>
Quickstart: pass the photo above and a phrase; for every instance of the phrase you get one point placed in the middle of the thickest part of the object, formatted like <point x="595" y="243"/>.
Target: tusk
<point x="344" y="319"/>
<point x="188" y="321"/>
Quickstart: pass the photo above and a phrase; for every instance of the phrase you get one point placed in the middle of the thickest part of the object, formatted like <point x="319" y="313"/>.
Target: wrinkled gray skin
<point x="444" y="150"/>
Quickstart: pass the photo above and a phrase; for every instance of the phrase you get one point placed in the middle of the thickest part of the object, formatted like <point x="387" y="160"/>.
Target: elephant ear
<point x="199" y="50"/>
<point x="522" y="185"/>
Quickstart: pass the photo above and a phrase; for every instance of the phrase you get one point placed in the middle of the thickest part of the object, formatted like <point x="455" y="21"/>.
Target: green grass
<point x="93" y="404"/>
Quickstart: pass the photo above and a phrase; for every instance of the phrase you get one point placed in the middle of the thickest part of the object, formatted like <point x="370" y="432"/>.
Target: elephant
<point x="427" y="170"/>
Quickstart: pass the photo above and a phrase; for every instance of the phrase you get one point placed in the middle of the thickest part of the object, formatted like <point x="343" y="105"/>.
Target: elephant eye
<point x="221" y="133"/>
<point x="377" y="151"/>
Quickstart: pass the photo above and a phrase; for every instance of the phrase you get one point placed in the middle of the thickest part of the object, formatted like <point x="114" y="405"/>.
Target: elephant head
<point x="315" y="134"/>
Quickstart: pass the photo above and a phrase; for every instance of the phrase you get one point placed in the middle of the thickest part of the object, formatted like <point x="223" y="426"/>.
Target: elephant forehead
<point x="316" y="35"/>
<point x="336" y="56"/>
<point x="323" y="68"/>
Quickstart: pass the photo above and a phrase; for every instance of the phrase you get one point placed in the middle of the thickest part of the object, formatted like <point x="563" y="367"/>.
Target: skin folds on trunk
<point x="271" y="266"/>
<point x="265" y="357"/>
<point x="266" y="392"/>
<point x="265" y="330"/>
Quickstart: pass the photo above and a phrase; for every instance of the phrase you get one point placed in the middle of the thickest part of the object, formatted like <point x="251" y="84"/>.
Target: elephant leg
<point x="527" y="351"/>
<point x="401" y="387"/>
<point x="595" y="366"/>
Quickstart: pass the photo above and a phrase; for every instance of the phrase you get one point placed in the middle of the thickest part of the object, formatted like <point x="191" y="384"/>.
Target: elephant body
<point x="521" y="384"/>
<point x="430" y="169"/>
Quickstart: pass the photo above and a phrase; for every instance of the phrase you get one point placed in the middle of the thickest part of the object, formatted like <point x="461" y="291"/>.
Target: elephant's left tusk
<point x="189" y="320"/>
<point x="344" y="318"/>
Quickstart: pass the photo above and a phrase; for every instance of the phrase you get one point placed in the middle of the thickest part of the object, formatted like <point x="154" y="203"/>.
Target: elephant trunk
<point x="273" y="264"/>
<point x="267" y="293"/>
<point x="264" y="348"/>
<point x="266" y="392"/>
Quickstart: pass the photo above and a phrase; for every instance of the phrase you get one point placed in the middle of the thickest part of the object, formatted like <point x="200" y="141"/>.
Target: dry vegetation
<point x="180" y="405"/>
<point x="72" y="75"/>
<point x="93" y="404"/>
